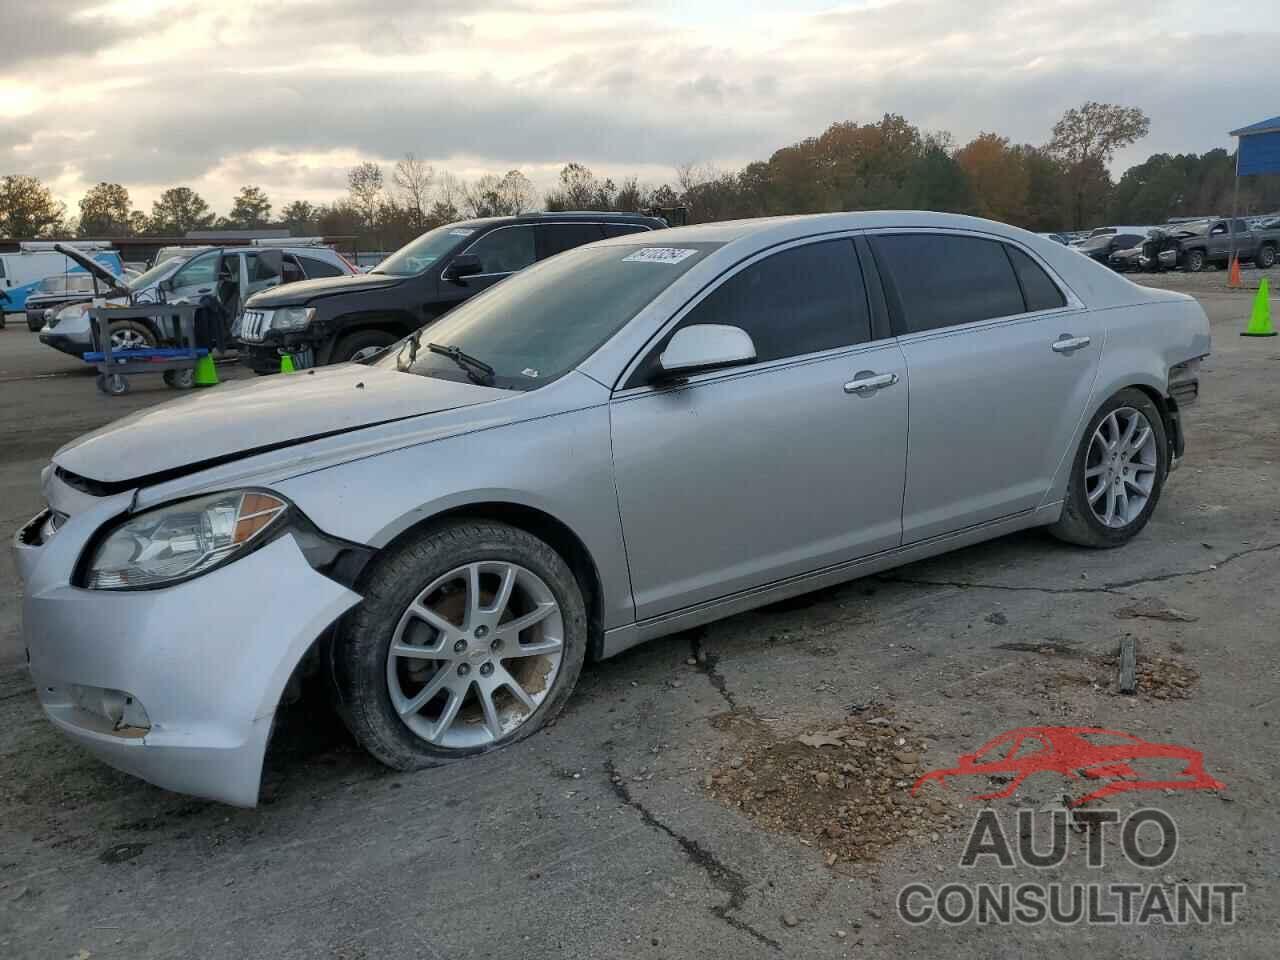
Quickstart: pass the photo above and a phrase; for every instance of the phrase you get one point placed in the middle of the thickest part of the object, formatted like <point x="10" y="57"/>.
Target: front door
<point x="502" y="252"/>
<point x="745" y="476"/>
<point x="1002" y="363"/>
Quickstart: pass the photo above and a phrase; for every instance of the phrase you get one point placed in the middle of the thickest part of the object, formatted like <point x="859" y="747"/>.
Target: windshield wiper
<point x="476" y="369"/>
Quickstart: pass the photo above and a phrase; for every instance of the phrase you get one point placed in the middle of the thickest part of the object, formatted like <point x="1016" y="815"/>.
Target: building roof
<point x="1262" y="126"/>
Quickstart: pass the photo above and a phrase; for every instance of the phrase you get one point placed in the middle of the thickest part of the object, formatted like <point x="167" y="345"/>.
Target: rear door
<point x="556" y="238"/>
<point x="1001" y="359"/>
<point x="744" y="476"/>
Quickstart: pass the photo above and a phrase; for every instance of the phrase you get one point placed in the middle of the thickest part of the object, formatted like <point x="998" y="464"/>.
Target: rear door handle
<point x="1067" y="343"/>
<point x="867" y="382"/>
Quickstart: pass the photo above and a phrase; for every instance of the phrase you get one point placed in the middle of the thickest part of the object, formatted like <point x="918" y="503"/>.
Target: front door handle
<point x="1068" y="344"/>
<point x="867" y="382"/>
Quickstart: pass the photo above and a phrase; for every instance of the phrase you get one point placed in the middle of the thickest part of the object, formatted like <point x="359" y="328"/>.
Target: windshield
<point x="158" y="272"/>
<point x="417" y="256"/>
<point x="544" y="321"/>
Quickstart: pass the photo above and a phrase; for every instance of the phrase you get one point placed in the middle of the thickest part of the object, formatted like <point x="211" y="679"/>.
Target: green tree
<point x="1085" y="139"/>
<point x="179" y="211"/>
<point x="251" y="210"/>
<point x="28" y="209"/>
<point x="105" y="211"/>
<point x="300" y="217"/>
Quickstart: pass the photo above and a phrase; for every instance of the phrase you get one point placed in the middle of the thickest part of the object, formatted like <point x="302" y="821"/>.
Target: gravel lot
<point x="646" y="822"/>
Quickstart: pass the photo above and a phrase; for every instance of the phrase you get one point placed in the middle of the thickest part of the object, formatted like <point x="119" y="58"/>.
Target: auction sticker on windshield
<point x="659" y="255"/>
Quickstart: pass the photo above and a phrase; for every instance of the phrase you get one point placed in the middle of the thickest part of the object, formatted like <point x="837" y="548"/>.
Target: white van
<point x="21" y="273"/>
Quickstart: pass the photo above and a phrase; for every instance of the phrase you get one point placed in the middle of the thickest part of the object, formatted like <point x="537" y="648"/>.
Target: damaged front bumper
<point x="178" y="686"/>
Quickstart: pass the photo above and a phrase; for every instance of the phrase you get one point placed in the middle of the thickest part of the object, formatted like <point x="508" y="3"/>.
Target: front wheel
<point x="1266" y="258"/>
<point x="361" y="345"/>
<point x="1194" y="261"/>
<point x="470" y="637"/>
<point x="1117" y="474"/>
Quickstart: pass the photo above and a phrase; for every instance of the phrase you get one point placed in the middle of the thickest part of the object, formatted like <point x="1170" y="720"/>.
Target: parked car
<point x="351" y="318"/>
<point x="1101" y="246"/>
<point x="1203" y="243"/>
<point x="1057" y="238"/>
<point x="22" y="272"/>
<point x="54" y="293"/>
<point x="629" y="439"/>
<point x="228" y="274"/>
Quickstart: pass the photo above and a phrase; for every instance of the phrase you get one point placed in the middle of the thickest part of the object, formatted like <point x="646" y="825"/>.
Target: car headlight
<point x="181" y="540"/>
<point x="292" y="318"/>
<point x="72" y="311"/>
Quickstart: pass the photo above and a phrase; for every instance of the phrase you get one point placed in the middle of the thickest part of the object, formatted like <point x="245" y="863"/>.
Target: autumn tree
<point x="413" y="179"/>
<point x="251" y="210"/>
<point x="179" y="211"/>
<point x="997" y="176"/>
<point x="1085" y="140"/>
<point x="106" y="211"/>
<point x="28" y="209"/>
<point x="365" y="186"/>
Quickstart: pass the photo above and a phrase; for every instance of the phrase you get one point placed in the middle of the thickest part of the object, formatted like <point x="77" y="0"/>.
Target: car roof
<point x="571" y="216"/>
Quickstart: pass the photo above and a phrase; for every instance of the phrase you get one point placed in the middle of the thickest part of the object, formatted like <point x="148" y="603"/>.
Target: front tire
<point x="1117" y="473"/>
<point x="131" y="335"/>
<point x="1266" y="258"/>
<point x="1195" y="261"/>
<point x="361" y="345"/>
<point x="470" y="637"/>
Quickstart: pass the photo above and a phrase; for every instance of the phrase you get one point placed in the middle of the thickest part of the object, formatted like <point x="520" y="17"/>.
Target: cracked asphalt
<point x="597" y="838"/>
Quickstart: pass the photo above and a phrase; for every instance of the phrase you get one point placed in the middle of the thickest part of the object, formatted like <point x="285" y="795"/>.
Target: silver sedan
<point x="629" y="439"/>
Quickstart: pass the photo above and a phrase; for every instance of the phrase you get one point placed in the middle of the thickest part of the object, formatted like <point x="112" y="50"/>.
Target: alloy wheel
<point x="1120" y="469"/>
<point x="127" y="339"/>
<point x="475" y="654"/>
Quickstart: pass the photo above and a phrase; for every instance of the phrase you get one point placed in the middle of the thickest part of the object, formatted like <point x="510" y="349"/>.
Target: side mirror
<point x="466" y="265"/>
<point x="705" y="346"/>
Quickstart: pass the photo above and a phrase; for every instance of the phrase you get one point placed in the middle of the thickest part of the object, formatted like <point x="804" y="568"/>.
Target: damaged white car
<point x="621" y="442"/>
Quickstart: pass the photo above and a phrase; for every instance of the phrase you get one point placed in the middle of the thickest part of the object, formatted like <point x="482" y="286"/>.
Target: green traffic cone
<point x="1260" y="322"/>
<point x="286" y="363"/>
<point x="206" y="374"/>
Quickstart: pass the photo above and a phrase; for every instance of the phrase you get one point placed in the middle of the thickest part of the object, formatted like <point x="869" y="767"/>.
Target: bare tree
<point x="515" y="192"/>
<point x="413" y="178"/>
<point x="364" y="183"/>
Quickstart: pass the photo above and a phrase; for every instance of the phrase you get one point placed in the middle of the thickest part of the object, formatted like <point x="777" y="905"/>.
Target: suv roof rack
<point x="288" y="242"/>
<point x="42" y="246"/>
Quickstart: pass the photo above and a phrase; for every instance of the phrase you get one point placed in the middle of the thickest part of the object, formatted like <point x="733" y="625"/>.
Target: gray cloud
<point x="608" y="90"/>
<point x="36" y="30"/>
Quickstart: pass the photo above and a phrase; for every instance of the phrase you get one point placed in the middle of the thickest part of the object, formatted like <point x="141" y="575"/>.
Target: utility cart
<point x="176" y="323"/>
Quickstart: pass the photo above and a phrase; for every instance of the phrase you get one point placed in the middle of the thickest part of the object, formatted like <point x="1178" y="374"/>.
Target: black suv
<point x="349" y="318"/>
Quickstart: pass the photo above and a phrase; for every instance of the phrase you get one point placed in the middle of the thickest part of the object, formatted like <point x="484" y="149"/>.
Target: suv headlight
<point x="182" y="540"/>
<point x="292" y="318"/>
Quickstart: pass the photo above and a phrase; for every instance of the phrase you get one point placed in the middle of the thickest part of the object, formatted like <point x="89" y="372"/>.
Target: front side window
<point x="544" y="321"/>
<point x="202" y="270"/>
<point x="799" y="301"/>
<point x="943" y="280"/>
<point x="504" y="250"/>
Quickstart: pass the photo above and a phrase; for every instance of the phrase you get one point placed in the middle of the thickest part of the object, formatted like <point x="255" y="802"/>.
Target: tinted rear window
<point x="622" y="229"/>
<point x="559" y="237"/>
<point x="1040" y="292"/>
<point x="941" y="280"/>
<point x="319" y="268"/>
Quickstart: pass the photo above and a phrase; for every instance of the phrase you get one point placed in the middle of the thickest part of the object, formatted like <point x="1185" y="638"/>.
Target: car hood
<point x="305" y="290"/>
<point x="243" y="418"/>
<point x="113" y="283"/>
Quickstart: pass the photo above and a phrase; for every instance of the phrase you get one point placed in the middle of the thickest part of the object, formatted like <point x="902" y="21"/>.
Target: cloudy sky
<point x="288" y="93"/>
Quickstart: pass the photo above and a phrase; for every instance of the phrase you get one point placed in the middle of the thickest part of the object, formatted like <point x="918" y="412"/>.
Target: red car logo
<point x="1075" y="752"/>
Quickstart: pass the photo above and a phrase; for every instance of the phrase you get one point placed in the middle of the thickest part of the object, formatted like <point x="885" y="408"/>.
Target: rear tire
<point x="1092" y="515"/>
<point x="376" y="691"/>
<point x="362" y="343"/>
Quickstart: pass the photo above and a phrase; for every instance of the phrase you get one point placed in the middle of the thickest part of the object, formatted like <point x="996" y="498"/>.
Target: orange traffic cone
<point x="1234" y="279"/>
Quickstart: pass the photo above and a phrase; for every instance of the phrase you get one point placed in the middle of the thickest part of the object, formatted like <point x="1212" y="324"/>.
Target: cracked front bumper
<point x="204" y="662"/>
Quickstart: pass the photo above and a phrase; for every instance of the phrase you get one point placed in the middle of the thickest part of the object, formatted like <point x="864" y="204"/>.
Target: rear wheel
<point x="361" y="345"/>
<point x="470" y="637"/>
<point x="1194" y="261"/>
<point x="1117" y="474"/>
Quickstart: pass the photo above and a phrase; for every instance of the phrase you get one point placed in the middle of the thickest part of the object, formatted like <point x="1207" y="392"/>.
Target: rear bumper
<point x="178" y="686"/>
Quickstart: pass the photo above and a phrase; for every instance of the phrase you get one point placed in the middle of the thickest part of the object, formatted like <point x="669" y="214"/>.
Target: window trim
<point x="1073" y="305"/>
<point x="623" y="387"/>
